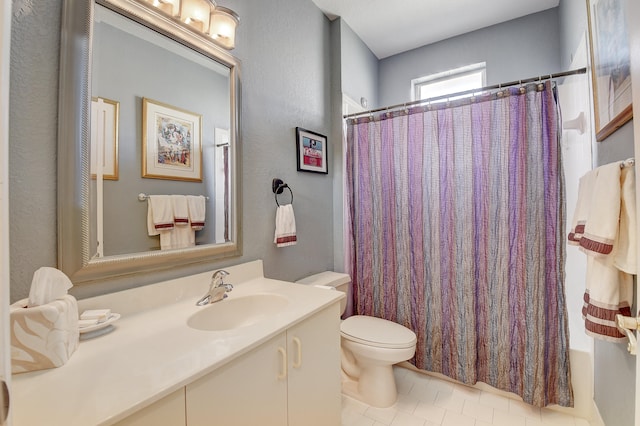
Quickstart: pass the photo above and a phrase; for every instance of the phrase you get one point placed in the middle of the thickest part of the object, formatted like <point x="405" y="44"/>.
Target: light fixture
<point x="170" y="7"/>
<point x="196" y="13"/>
<point x="203" y="16"/>
<point x="223" y="27"/>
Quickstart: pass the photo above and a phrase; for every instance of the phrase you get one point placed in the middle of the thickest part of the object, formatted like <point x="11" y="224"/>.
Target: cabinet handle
<point x="298" y="362"/>
<point x="283" y="366"/>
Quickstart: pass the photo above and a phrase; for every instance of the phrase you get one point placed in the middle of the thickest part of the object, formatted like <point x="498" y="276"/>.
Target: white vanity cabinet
<point x="283" y="370"/>
<point x="292" y="379"/>
<point x="168" y="411"/>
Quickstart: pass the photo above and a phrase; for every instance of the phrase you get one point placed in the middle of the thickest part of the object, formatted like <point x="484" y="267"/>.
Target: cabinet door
<point x="169" y="411"/>
<point x="249" y="391"/>
<point x="314" y="392"/>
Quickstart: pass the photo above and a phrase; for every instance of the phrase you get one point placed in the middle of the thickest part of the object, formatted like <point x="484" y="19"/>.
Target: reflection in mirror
<point x="160" y="118"/>
<point x="182" y="152"/>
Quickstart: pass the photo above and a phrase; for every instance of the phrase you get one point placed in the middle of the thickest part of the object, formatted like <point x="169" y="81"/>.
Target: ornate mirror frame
<point x="73" y="148"/>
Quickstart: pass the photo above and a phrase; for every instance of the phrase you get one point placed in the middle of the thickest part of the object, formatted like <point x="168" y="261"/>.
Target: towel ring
<point x="278" y="187"/>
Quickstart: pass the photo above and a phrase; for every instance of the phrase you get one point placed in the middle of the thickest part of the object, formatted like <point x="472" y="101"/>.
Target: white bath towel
<point x="181" y="235"/>
<point x="609" y="292"/>
<point x="285" y="234"/>
<point x="586" y="187"/>
<point x="602" y="224"/>
<point x="197" y="211"/>
<point x="608" y="238"/>
<point x="180" y="210"/>
<point x="625" y="248"/>
<point x="159" y="214"/>
<point x="178" y="237"/>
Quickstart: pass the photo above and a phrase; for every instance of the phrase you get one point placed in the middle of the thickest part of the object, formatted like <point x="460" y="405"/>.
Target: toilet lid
<point x="377" y="332"/>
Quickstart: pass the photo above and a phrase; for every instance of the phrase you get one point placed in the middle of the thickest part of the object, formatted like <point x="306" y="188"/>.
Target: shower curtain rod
<point x="466" y="92"/>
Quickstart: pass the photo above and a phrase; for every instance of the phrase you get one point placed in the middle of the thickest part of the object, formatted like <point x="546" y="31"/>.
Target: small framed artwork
<point x="104" y="138"/>
<point x="610" y="70"/>
<point x="311" y="151"/>
<point x="171" y="142"/>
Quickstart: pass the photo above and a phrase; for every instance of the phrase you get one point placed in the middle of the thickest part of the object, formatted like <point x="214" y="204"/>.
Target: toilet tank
<point x="337" y="280"/>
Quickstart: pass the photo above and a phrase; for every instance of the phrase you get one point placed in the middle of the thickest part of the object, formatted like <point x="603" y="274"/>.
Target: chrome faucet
<point x="218" y="289"/>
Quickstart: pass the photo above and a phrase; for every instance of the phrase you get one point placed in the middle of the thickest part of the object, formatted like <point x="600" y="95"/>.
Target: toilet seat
<point x="377" y="332"/>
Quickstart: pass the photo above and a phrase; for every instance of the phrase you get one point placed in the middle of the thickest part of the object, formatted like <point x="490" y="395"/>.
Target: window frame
<point x="418" y="83"/>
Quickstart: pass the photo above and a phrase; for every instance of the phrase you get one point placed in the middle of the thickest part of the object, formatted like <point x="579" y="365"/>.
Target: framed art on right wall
<point x="610" y="70"/>
<point x="311" y="148"/>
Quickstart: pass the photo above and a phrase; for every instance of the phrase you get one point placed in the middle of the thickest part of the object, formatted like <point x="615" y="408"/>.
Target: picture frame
<point x="105" y="115"/>
<point x="311" y="151"/>
<point x="171" y="142"/>
<point x="610" y="69"/>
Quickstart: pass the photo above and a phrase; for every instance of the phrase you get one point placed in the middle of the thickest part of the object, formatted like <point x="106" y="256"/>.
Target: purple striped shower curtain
<point x="456" y="230"/>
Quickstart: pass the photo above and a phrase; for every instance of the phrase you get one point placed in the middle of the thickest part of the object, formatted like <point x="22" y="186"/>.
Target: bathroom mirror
<point x="128" y="63"/>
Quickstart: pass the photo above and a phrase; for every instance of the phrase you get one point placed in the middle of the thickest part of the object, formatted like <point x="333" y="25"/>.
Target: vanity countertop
<point x="152" y="351"/>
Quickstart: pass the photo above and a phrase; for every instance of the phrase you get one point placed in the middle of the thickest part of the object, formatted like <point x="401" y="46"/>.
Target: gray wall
<point x="286" y="83"/>
<point x="354" y="74"/>
<point x="284" y="49"/>
<point x="513" y="50"/>
<point x="33" y="109"/>
<point x="614" y="388"/>
<point x="359" y="67"/>
<point x="336" y="145"/>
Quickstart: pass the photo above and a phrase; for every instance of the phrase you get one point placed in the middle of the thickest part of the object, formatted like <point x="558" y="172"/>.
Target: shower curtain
<point x="455" y="224"/>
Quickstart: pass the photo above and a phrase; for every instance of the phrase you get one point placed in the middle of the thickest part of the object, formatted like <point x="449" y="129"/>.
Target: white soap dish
<point x="110" y="320"/>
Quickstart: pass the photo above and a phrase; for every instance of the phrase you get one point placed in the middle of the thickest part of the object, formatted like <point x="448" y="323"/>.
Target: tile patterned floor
<point x="428" y="401"/>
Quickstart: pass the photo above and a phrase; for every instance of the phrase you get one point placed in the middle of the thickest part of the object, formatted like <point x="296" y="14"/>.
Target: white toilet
<point x="370" y="347"/>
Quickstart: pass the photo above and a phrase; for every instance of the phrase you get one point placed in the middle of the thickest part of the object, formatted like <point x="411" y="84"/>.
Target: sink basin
<point x="233" y="313"/>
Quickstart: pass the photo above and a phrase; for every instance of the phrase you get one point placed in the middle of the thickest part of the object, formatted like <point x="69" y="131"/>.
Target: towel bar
<point x="144" y="197"/>
<point x="629" y="162"/>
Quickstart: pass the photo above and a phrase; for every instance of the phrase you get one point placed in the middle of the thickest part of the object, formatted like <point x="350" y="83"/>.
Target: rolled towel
<point x="99" y="315"/>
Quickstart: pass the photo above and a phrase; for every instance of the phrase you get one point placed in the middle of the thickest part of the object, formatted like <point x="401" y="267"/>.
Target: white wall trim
<point x="596" y="418"/>
<point x="5" y="50"/>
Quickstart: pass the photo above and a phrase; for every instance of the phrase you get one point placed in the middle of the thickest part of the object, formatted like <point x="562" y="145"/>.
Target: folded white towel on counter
<point x="180" y="210"/>
<point x="99" y="315"/>
<point x="197" y="207"/>
<point x="159" y="214"/>
<point x="47" y="285"/>
<point x="285" y="234"/>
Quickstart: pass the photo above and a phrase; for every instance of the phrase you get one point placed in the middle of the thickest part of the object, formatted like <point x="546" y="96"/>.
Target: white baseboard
<point x="596" y="418"/>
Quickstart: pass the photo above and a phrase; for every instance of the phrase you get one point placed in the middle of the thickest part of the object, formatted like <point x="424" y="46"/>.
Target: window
<point x="452" y="81"/>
